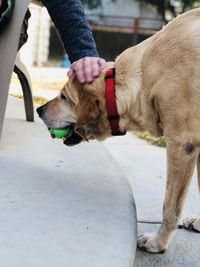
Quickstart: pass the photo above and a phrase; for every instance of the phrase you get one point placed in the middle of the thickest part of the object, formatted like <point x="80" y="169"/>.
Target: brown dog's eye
<point x="97" y="102"/>
<point x="63" y="97"/>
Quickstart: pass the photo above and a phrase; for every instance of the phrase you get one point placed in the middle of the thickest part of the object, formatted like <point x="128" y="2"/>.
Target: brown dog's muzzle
<point x="40" y="110"/>
<point x="73" y="139"/>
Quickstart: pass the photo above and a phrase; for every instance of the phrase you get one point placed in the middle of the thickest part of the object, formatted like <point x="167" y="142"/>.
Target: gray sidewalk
<point x="144" y="166"/>
<point x="61" y="206"/>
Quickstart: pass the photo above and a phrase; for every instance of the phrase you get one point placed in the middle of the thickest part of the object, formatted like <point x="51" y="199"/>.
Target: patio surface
<point x="144" y="166"/>
<point x="61" y="206"/>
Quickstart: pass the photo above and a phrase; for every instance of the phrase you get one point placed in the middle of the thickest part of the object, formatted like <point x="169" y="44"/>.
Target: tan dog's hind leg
<point x="179" y="171"/>
<point x="193" y="223"/>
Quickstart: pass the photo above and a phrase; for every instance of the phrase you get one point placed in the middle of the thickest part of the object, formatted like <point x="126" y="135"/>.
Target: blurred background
<point x="116" y="25"/>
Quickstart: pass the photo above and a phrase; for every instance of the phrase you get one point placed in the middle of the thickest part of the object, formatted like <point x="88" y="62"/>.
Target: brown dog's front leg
<point x="179" y="171"/>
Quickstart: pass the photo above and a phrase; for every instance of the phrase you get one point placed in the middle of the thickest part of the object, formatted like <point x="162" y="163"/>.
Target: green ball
<point x="59" y="133"/>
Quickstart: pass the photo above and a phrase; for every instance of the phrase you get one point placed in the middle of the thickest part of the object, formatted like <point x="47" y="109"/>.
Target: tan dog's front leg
<point x="179" y="171"/>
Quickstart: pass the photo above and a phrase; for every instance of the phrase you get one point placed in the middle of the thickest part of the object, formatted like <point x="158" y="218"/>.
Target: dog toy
<point x="59" y="133"/>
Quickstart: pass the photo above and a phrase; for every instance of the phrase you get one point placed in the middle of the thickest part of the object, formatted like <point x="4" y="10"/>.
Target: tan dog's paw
<point x="191" y="223"/>
<point x="150" y="243"/>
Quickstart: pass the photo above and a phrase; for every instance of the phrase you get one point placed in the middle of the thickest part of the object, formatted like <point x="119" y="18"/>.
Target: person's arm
<point x="73" y="27"/>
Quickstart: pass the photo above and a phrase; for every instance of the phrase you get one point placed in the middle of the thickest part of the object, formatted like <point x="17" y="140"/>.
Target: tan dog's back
<point x="174" y="82"/>
<point x="165" y="70"/>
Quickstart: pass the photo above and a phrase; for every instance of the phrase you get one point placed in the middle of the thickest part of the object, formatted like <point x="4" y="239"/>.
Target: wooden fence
<point x="123" y="24"/>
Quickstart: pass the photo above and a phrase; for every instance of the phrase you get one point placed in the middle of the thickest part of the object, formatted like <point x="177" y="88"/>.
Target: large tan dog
<point x="157" y="89"/>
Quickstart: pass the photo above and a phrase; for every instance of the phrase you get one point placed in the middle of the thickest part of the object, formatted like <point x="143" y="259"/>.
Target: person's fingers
<point x="78" y="70"/>
<point x="70" y="72"/>
<point x="97" y="65"/>
<point x="95" y="68"/>
<point x="87" y="68"/>
<point x="102" y="63"/>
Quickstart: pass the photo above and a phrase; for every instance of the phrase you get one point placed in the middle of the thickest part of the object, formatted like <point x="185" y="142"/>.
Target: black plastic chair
<point x="25" y="81"/>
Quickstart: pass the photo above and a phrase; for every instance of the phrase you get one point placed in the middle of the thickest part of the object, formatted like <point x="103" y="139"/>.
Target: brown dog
<point x="157" y="87"/>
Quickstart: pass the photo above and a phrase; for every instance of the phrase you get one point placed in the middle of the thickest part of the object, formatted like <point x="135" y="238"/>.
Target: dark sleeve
<point x="73" y="27"/>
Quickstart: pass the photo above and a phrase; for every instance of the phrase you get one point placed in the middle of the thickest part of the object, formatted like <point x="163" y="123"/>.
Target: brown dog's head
<point x="81" y="107"/>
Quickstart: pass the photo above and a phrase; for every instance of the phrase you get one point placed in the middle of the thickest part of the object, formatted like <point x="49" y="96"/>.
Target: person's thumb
<point x="70" y="72"/>
<point x="102" y="63"/>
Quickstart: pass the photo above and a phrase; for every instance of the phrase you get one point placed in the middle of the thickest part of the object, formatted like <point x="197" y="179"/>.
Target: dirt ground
<point x="46" y="83"/>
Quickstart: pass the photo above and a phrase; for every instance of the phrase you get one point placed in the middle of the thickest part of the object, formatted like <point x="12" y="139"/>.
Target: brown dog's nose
<point x="40" y="111"/>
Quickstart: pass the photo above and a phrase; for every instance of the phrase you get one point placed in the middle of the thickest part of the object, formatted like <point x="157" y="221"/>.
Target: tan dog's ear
<point x="87" y="113"/>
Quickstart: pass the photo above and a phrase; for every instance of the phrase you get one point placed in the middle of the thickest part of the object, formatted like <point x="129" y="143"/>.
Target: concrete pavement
<point x="61" y="206"/>
<point x="144" y="166"/>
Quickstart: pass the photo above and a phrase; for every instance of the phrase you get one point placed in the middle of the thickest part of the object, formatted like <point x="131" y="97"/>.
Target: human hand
<point x="87" y="68"/>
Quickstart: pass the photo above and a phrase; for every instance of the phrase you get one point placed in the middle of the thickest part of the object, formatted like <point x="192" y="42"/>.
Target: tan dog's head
<point x="81" y="107"/>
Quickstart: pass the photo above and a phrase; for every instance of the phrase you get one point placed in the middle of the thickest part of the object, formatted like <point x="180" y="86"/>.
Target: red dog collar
<point x="113" y="115"/>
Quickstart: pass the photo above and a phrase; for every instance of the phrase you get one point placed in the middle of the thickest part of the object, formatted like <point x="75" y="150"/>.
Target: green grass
<point x="36" y="99"/>
<point x="158" y="141"/>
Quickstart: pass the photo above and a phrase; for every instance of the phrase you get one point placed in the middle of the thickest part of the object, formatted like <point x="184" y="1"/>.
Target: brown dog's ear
<point x="87" y="113"/>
